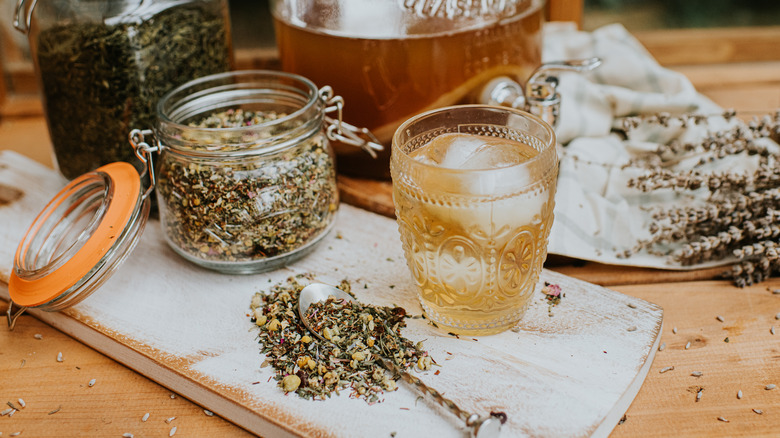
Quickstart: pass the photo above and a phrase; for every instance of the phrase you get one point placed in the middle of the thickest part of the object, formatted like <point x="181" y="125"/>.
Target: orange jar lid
<point x="78" y="239"/>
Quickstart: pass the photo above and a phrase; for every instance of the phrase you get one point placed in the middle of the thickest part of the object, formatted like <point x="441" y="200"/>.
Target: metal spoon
<point x="481" y="427"/>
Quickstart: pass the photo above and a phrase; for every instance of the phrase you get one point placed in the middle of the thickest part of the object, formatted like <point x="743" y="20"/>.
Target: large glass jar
<point x="103" y="64"/>
<point x="393" y="59"/>
<point x="246" y="178"/>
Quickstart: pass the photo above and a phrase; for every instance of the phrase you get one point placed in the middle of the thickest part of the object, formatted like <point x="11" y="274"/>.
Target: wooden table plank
<point x="611" y="275"/>
<point x="113" y="406"/>
<point x="750" y="360"/>
<point x="711" y="45"/>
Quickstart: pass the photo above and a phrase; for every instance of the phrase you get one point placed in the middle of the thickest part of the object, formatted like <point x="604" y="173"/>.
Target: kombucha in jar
<point x="390" y="64"/>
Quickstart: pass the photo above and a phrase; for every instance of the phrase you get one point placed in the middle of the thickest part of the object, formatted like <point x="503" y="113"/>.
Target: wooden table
<point x="736" y="354"/>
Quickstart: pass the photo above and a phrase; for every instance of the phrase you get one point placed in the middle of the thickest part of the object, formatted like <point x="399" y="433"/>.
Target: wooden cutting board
<point x="570" y="374"/>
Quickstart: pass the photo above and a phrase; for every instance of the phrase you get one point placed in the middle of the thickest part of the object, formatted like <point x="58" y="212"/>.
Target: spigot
<point x="540" y="95"/>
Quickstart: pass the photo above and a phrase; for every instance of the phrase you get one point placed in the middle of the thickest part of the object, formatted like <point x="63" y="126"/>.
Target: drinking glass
<point x="474" y="212"/>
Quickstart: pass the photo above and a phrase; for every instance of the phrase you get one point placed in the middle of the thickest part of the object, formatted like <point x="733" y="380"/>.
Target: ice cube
<point x="467" y="151"/>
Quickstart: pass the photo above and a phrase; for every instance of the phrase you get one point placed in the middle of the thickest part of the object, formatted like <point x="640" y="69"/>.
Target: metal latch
<point x="540" y="95"/>
<point x="339" y="130"/>
<point x="23" y="15"/>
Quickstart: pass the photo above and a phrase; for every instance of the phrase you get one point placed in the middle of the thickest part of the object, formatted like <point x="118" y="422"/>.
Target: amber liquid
<point x="386" y="80"/>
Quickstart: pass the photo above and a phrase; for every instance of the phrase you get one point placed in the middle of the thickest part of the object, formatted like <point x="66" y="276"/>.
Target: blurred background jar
<point x="103" y="64"/>
<point x="392" y="59"/>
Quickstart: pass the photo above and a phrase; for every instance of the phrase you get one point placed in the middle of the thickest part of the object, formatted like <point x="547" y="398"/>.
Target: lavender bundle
<point x="739" y="217"/>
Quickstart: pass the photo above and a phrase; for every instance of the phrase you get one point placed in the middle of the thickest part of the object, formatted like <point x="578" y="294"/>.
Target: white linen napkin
<point x="596" y="215"/>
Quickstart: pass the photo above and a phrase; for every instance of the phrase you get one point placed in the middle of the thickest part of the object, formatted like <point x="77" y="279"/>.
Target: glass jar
<point x="102" y="65"/>
<point x="246" y="179"/>
<point x="392" y="59"/>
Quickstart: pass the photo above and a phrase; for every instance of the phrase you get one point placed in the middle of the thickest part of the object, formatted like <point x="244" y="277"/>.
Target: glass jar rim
<point x="242" y="87"/>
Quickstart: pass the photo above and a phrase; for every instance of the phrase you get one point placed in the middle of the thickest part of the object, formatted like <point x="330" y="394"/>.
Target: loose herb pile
<point x="358" y="334"/>
<point x="247" y="208"/>
<point x="100" y="80"/>
<point x="740" y="216"/>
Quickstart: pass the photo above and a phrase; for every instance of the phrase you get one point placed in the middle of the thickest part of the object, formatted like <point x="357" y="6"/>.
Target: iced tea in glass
<point x="474" y="188"/>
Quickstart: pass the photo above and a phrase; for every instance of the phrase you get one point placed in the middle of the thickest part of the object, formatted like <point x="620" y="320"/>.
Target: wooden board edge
<point x="612" y="419"/>
<point x="165" y="376"/>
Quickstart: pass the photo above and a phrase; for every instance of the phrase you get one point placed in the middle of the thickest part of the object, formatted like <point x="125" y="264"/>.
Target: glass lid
<point x="79" y="239"/>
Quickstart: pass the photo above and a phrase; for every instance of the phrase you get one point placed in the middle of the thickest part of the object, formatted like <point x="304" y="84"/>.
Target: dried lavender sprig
<point x="747" y="273"/>
<point x="735" y="139"/>
<point x="768" y="249"/>
<point x="765" y="177"/>
<point x="740" y="216"/>
<point x="754" y="239"/>
<point x="721" y="206"/>
<point x="665" y="119"/>
<point x="700" y="244"/>
<point x="764" y="126"/>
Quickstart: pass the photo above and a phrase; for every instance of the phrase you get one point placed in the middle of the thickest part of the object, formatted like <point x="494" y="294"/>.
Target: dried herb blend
<point x="100" y="80"/>
<point x="249" y="207"/>
<point x="359" y="334"/>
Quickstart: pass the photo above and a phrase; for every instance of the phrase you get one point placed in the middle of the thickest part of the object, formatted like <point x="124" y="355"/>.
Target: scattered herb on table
<point x="359" y="334"/>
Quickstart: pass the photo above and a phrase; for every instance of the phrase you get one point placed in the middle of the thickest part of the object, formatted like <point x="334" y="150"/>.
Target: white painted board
<point x="572" y="374"/>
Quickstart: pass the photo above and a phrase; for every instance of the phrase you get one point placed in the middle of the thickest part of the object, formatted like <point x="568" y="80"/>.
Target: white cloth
<point x="596" y="215"/>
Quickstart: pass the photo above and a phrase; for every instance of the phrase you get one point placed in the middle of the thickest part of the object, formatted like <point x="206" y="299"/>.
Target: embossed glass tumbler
<point x="474" y="188"/>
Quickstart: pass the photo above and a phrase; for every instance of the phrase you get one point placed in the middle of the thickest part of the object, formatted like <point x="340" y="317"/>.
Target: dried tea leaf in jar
<point x="103" y="65"/>
<point x="247" y="182"/>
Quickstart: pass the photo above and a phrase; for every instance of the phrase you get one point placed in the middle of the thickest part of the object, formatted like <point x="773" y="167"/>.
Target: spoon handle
<point x="468" y="418"/>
